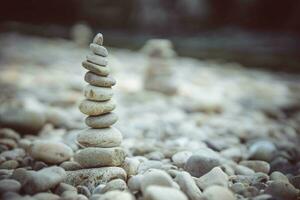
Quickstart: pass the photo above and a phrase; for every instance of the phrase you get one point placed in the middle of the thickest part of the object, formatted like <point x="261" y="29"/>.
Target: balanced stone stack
<point x="159" y="74"/>
<point x="100" y="142"/>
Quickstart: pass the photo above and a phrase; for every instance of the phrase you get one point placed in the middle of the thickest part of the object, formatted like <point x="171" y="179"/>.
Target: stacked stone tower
<point x="159" y="74"/>
<point x="100" y="142"/>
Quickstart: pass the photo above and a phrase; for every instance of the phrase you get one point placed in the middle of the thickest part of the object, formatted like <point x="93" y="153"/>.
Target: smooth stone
<point x="116" y="184"/>
<point x="217" y="192"/>
<point x="94" y="176"/>
<point x="70" y="165"/>
<point x="98" y="157"/>
<point x="9" y="164"/>
<point x="134" y="182"/>
<point x="198" y="165"/>
<point x="101" y="121"/>
<point x="62" y="187"/>
<point x="9" y="143"/>
<point x="9" y="133"/>
<point x="69" y="194"/>
<point x="155" y="192"/>
<point x="98" y="93"/>
<point x="282" y="190"/>
<point x="262" y="150"/>
<point x="295" y="180"/>
<point x="156" y="177"/>
<point x="98" y="189"/>
<point x="100" y="81"/>
<point x="214" y="177"/>
<point x="131" y="166"/>
<point x="278" y="176"/>
<point x="98" y="39"/>
<point x="97" y="69"/>
<point x="9" y="185"/>
<point x="243" y="170"/>
<point x="188" y="185"/>
<point x="46" y="196"/>
<point x="81" y="189"/>
<point x="14" y="154"/>
<point x="50" y="152"/>
<point x="39" y="181"/>
<point x="181" y="157"/>
<point x="98" y="60"/>
<point x="94" y="108"/>
<point x="116" y="195"/>
<point x="257" y="165"/>
<point x="105" y="137"/>
<point x="39" y="165"/>
<point x="99" y="50"/>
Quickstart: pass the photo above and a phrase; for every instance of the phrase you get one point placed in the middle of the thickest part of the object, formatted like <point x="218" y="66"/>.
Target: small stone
<point x="9" y="185"/>
<point x="98" y="189"/>
<point x="257" y="165"/>
<point x="98" y="157"/>
<point x="154" y="192"/>
<point x="243" y="170"/>
<point x="39" y="165"/>
<point x="24" y="144"/>
<point x="9" y="164"/>
<point x="50" y="152"/>
<point x="70" y="165"/>
<point x="295" y="180"/>
<point x="214" y="177"/>
<point x="98" y="60"/>
<point x="238" y="188"/>
<point x="156" y="177"/>
<point x="69" y="194"/>
<point x="262" y="150"/>
<point x="96" y="107"/>
<point x="116" y="195"/>
<point x="188" y="185"/>
<point x="39" y="181"/>
<point x="98" y="39"/>
<point x="98" y="50"/>
<point x="116" y="184"/>
<point x="98" y="93"/>
<point x="97" y="69"/>
<point x="101" y="81"/>
<point x="198" y="165"/>
<point x="131" y="165"/>
<point x="9" y="143"/>
<point x="83" y="190"/>
<point x="181" y="157"/>
<point x="13" y="154"/>
<point x="101" y="121"/>
<point x="46" y="196"/>
<point x="81" y="197"/>
<point x="216" y="192"/>
<point x="134" y="183"/>
<point x="94" y="176"/>
<point x="62" y="187"/>
<point x="105" y="137"/>
<point x="9" y="133"/>
<point x="282" y="190"/>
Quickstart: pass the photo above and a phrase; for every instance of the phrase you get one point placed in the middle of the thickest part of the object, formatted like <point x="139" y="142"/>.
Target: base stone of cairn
<point x="100" y="154"/>
<point x="159" y="74"/>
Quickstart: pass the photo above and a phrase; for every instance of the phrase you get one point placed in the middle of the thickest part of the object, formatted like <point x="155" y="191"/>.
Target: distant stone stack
<point x="159" y="74"/>
<point x="101" y="142"/>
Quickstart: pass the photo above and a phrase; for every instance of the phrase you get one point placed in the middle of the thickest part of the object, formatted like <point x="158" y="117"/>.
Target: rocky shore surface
<point x="228" y="133"/>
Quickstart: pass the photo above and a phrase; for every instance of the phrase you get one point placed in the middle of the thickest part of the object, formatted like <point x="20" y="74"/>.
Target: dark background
<point x="256" y="33"/>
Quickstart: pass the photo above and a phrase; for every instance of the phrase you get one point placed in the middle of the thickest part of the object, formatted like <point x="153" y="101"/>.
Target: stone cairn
<point x="159" y="74"/>
<point x="100" y="142"/>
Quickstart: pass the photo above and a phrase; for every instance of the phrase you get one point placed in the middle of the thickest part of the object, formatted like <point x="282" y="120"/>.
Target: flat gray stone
<point x="101" y="81"/>
<point x="105" y="137"/>
<point x="94" y="176"/>
<point x="97" y="69"/>
<point x="94" y="108"/>
<point x="101" y="121"/>
<point x="98" y="93"/>
<point x="99" y="157"/>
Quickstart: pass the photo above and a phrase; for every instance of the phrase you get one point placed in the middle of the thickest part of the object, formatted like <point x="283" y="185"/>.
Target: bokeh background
<point x="252" y="32"/>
